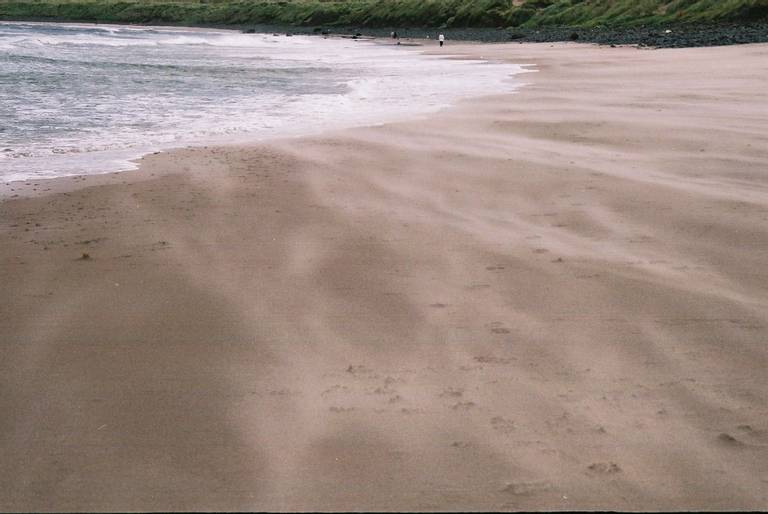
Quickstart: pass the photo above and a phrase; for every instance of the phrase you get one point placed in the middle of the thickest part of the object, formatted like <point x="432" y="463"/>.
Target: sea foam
<point x="80" y="99"/>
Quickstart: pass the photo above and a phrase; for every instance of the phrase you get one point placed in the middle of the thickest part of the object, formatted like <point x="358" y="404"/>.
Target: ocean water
<point x="79" y="99"/>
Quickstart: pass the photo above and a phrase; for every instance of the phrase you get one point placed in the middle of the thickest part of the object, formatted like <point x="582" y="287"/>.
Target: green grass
<point x="392" y="13"/>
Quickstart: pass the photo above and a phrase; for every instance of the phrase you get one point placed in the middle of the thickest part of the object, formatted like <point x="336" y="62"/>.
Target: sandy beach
<point x="550" y="300"/>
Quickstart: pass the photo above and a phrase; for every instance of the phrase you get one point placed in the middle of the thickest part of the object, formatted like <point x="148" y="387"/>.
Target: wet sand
<point x="556" y="299"/>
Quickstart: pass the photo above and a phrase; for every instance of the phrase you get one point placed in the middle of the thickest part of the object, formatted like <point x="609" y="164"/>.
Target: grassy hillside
<point x="393" y="13"/>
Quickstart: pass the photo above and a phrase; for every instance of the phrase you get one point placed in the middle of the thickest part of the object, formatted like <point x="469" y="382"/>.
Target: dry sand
<point x="551" y="300"/>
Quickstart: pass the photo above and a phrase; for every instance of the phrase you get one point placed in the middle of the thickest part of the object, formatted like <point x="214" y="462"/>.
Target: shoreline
<point x="14" y="189"/>
<point x="549" y="300"/>
<point x="673" y="35"/>
<point x="36" y="186"/>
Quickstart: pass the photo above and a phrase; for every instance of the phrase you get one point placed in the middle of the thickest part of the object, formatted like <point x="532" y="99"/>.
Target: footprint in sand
<point x="497" y="327"/>
<point x="526" y="488"/>
<point x="490" y="359"/>
<point x="728" y="440"/>
<point x="451" y="393"/>
<point x="760" y="435"/>
<point x="283" y="392"/>
<point x="341" y="409"/>
<point x="587" y="275"/>
<point x="335" y="389"/>
<point x="502" y="425"/>
<point x="357" y="369"/>
<point x="388" y="380"/>
<point x="604" y="468"/>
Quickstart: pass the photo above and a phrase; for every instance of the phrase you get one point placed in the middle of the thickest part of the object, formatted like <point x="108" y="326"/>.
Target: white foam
<point x="135" y="90"/>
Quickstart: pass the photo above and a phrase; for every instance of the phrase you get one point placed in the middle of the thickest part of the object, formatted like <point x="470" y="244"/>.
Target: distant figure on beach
<point x="394" y="35"/>
<point x="441" y="38"/>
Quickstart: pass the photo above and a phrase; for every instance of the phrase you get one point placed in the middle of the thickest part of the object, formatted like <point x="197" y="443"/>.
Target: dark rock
<point x="687" y="35"/>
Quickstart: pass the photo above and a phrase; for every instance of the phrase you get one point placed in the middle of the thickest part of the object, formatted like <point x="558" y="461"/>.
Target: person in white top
<point x="441" y="38"/>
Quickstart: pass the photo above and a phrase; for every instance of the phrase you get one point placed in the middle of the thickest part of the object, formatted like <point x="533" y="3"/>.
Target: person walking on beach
<point x="441" y="38"/>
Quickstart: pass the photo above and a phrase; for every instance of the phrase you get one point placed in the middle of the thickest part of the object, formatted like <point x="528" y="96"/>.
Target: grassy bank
<point x="394" y="13"/>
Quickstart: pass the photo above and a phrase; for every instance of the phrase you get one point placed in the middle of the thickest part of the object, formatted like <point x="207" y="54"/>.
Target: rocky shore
<point x="679" y="36"/>
<point x="658" y="36"/>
